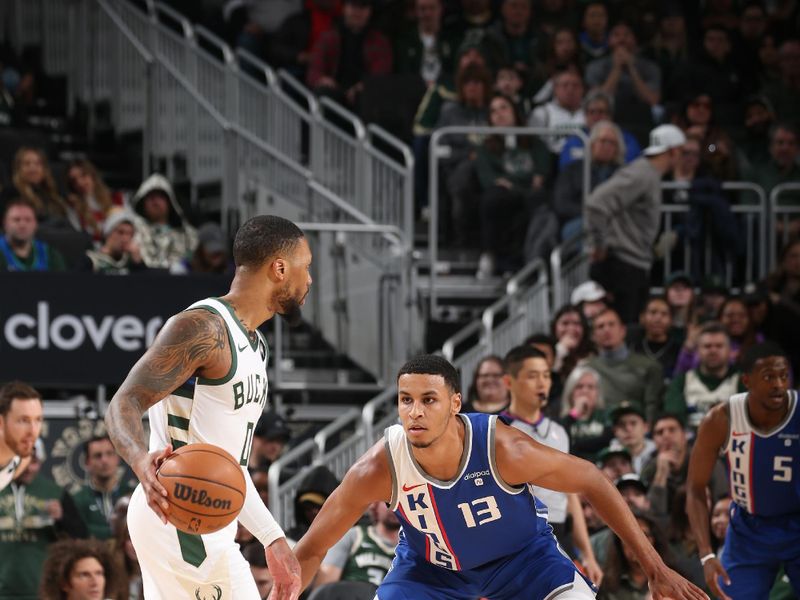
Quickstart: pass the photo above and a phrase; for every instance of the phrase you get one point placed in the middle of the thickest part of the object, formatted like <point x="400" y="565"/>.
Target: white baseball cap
<point x="663" y="138"/>
<point x="588" y="291"/>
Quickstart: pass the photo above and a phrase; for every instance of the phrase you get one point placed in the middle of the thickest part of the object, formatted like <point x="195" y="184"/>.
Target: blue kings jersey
<point x="763" y="465"/>
<point x="470" y="520"/>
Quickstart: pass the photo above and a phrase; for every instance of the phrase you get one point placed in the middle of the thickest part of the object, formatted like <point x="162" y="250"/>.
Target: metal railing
<point x="438" y="151"/>
<point x="335" y="446"/>
<point x="569" y="267"/>
<point x="753" y="218"/>
<point x="522" y="311"/>
<point x="378" y="414"/>
<point x="225" y="121"/>
<point x="781" y="215"/>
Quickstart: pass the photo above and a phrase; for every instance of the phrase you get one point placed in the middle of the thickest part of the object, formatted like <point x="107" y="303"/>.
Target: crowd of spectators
<point x="630" y="396"/>
<point x="79" y="224"/>
<point x="726" y="73"/>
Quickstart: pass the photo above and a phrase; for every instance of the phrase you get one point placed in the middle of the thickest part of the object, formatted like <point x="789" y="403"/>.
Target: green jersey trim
<point x="179" y="422"/>
<point x="193" y="551"/>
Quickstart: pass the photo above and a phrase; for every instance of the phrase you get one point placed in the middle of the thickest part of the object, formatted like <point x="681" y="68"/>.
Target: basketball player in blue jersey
<point x="758" y="432"/>
<point x="471" y="527"/>
<point x="204" y="379"/>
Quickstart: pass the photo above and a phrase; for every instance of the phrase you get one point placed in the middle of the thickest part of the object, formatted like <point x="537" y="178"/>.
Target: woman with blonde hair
<point x="90" y="200"/>
<point x="33" y="182"/>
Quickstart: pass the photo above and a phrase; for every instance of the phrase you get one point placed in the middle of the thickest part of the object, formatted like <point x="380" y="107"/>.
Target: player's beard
<point x="289" y="307"/>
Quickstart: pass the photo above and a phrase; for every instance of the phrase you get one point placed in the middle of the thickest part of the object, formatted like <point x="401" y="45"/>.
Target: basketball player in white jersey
<point x="204" y="379"/>
<point x="20" y="426"/>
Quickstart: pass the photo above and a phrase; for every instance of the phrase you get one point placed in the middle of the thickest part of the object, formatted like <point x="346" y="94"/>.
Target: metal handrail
<point x="294" y="83"/>
<point x="515" y="283"/>
<point x="224" y="123"/>
<point x="390" y="231"/>
<point x="274" y="473"/>
<point x="556" y="267"/>
<point x="358" y="126"/>
<point x="371" y="408"/>
<point x="279" y="156"/>
<point x="160" y="8"/>
<point x="489" y="314"/>
<point x="146" y="55"/>
<point x="385" y="136"/>
<point x="352" y="415"/>
<point x="773" y="212"/>
<point x="433" y="180"/>
<point x="253" y="61"/>
<point x="212" y="38"/>
<point x="449" y="346"/>
<point x="739" y="186"/>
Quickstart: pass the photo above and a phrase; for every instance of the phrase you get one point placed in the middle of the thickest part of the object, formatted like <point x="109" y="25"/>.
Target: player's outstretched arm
<point x="284" y="569"/>
<point x="367" y="481"/>
<point x="711" y="437"/>
<point x="190" y="341"/>
<point x="520" y="459"/>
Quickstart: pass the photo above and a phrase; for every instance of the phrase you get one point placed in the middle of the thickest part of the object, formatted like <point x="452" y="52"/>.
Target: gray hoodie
<point x="622" y="214"/>
<point x="162" y="245"/>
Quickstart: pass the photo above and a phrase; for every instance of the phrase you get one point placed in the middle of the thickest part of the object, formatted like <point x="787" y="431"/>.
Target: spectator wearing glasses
<point x="486" y="393"/>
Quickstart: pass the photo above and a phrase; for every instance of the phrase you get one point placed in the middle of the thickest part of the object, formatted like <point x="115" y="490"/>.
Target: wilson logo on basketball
<point x="199" y="497"/>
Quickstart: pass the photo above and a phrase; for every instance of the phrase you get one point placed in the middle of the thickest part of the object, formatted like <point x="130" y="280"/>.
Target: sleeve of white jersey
<point x="255" y="516"/>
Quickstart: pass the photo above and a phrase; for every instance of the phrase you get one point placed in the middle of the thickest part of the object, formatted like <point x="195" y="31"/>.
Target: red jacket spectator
<point x="326" y="53"/>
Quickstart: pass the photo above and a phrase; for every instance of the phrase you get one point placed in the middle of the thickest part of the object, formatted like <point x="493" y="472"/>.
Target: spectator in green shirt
<point x="19" y="248"/>
<point x="96" y="499"/>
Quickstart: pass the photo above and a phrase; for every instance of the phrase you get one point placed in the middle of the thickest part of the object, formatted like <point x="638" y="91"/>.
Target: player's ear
<point x="278" y="268"/>
<point x="746" y="380"/>
<point x="455" y="403"/>
<point x="507" y="381"/>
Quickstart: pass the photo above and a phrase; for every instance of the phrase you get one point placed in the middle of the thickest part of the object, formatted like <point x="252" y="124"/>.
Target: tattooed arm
<point x="191" y="342"/>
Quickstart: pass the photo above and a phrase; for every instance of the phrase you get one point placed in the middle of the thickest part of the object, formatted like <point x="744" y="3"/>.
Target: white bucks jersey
<point x="223" y="412"/>
<point x="7" y="472"/>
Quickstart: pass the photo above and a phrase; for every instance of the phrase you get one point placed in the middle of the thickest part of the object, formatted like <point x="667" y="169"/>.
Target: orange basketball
<point x="205" y="487"/>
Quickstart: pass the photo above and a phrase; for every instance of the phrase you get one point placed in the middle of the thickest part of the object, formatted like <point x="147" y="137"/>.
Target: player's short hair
<point x="432" y="364"/>
<point x="759" y="352"/>
<point x="95" y="438"/>
<point x="541" y="338"/>
<point x="61" y="559"/>
<point x="513" y="361"/>
<point x="15" y="390"/>
<point x="264" y="237"/>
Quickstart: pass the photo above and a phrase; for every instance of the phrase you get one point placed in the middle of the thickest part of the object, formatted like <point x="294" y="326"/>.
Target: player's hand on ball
<point x="666" y="584"/>
<point x="714" y="571"/>
<point x="285" y="571"/>
<point x="145" y="469"/>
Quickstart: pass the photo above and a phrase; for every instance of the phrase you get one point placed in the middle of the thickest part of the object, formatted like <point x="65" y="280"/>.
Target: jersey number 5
<point x="477" y="508"/>
<point x="783" y="468"/>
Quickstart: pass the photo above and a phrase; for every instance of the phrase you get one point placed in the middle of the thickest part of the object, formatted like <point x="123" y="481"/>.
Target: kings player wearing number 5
<point x="204" y="379"/>
<point x="758" y="433"/>
<point x="460" y="485"/>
